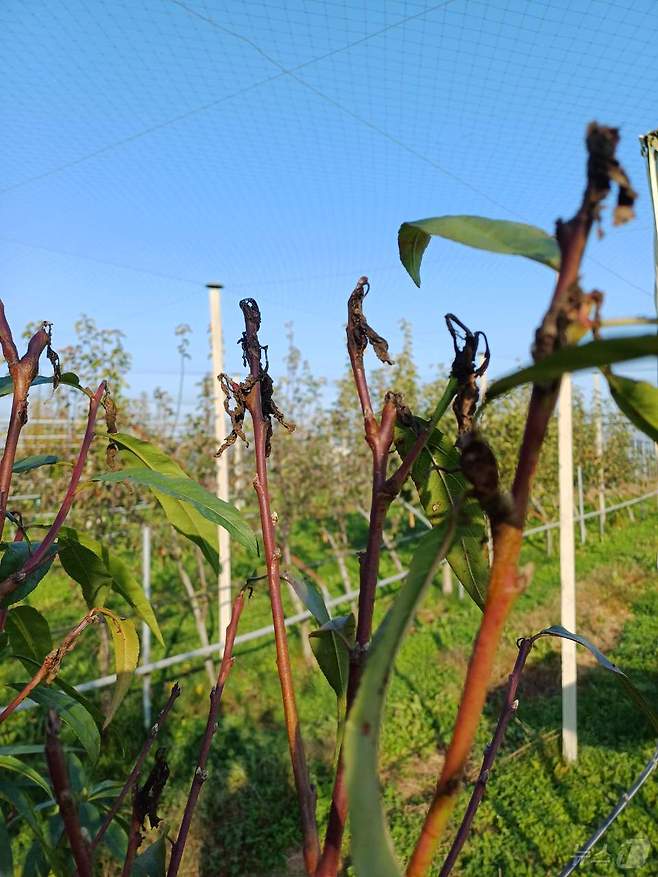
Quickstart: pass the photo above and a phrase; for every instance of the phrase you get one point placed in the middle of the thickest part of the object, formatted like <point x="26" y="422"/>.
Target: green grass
<point x="536" y="811"/>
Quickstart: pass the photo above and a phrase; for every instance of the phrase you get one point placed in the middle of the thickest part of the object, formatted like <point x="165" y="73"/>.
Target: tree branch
<point x="60" y="780"/>
<point x="505" y="583"/>
<point x="10" y="584"/>
<point x="134" y="774"/>
<point x="23" y="370"/>
<point x="509" y="709"/>
<point x="200" y="774"/>
<point x="257" y="398"/>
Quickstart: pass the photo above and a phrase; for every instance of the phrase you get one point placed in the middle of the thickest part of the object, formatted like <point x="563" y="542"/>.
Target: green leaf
<point x="638" y="400"/>
<point x="631" y="690"/>
<point x="494" y="235"/>
<point x="8" y="762"/>
<point x="72" y="713"/>
<point x="96" y="570"/>
<point x="331" y="650"/>
<point x="6" y="860"/>
<point x="24" y="807"/>
<point x="151" y="863"/>
<point x="69" y="379"/>
<point x="184" y="517"/>
<point x="439" y="486"/>
<point x="15" y="556"/>
<point x="30" y="664"/>
<point x="126" y="653"/>
<point x="311" y="596"/>
<point x="34" y="462"/>
<point x="29" y="633"/>
<point x="372" y="848"/>
<point x="577" y="358"/>
<point x="216" y="510"/>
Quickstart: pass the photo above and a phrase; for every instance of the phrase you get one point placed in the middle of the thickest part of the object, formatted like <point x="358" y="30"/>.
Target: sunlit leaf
<point x="72" y="713"/>
<point x="440" y="484"/>
<point x="29" y="463"/>
<point x="15" y="556"/>
<point x="570" y="359"/>
<point x="96" y="570"/>
<point x="331" y="643"/>
<point x="32" y="666"/>
<point x="372" y="848"/>
<point x="194" y="522"/>
<point x="494" y="235"/>
<point x="8" y="762"/>
<point x="29" y="633"/>
<point x="126" y="653"/>
<point x="69" y="379"/>
<point x="635" y="695"/>
<point x="638" y="400"/>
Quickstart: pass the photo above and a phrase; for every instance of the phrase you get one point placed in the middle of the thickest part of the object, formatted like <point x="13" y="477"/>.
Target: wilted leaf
<point x="8" y="762"/>
<point x="638" y="400"/>
<point x="16" y="556"/>
<point x="126" y="653"/>
<point x="29" y="463"/>
<point x="330" y="647"/>
<point x="193" y="522"/>
<point x="634" y="694"/>
<point x="494" y="235"/>
<point x="571" y="359"/>
<point x="96" y="570"/>
<point x="72" y="713"/>
<point x="372" y="848"/>
<point x="29" y="633"/>
<point x="439" y="487"/>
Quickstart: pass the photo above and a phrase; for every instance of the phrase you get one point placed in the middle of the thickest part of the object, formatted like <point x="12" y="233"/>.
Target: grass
<point x="536" y="811"/>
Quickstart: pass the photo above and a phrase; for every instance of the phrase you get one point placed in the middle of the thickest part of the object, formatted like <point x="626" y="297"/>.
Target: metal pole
<point x="146" y="630"/>
<point x="649" y="149"/>
<point x="567" y="572"/>
<point x="598" y="439"/>
<point x="224" y="581"/>
<point x="581" y="507"/>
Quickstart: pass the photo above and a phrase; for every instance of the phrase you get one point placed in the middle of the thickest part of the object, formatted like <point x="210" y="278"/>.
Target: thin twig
<point x="10" y="584"/>
<point x="51" y="663"/>
<point x="260" y="407"/>
<point x="64" y="797"/>
<point x="625" y="799"/>
<point x="23" y="370"/>
<point x="134" y="774"/>
<point x="146" y="802"/>
<point x="509" y="709"/>
<point x="504" y="587"/>
<point x="200" y="774"/>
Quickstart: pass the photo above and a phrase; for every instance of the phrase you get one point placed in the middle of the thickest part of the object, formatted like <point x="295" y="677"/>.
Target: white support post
<point x="446" y="577"/>
<point x="567" y="572"/>
<point x="581" y="507"/>
<point x="598" y="440"/>
<point x="224" y="581"/>
<point x="649" y="148"/>
<point x="146" y="630"/>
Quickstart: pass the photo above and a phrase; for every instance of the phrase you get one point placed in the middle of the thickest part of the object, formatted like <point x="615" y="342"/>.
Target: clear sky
<point x="150" y="146"/>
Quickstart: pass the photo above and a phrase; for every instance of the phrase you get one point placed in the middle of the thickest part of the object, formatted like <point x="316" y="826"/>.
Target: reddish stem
<point x="200" y="774"/>
<point x="10" y="584"/>
<point x="64" y="797"/>
<point x="261" y="425"/>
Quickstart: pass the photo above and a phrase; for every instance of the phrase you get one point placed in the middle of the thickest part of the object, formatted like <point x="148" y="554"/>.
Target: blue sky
<point x="153" y="145"/>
